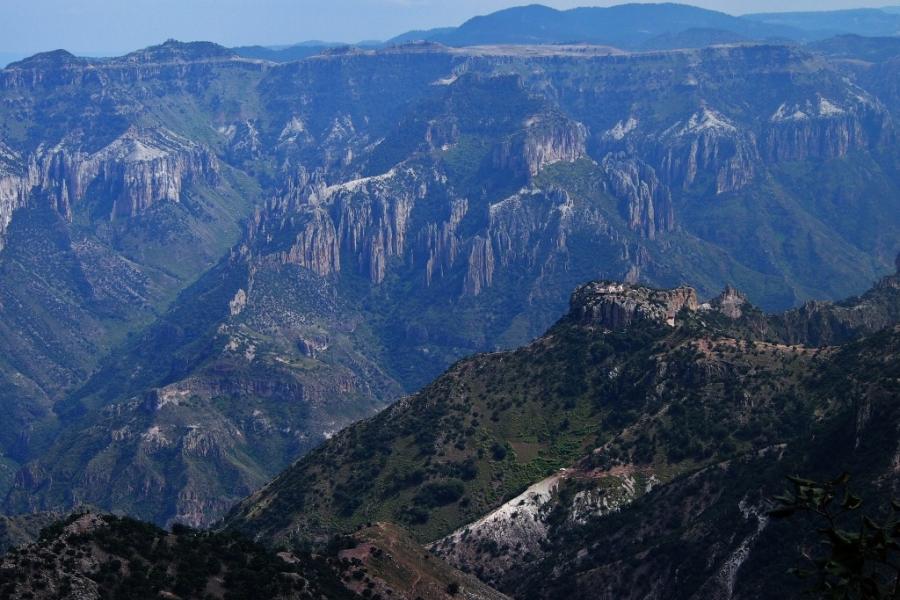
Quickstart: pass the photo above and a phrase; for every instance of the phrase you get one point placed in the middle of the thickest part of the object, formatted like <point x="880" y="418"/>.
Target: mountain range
<point x="236" y="259"/>
<point x="645" y="432"/>
<point x="327" y="305"/>
<point x="627" y="26"/>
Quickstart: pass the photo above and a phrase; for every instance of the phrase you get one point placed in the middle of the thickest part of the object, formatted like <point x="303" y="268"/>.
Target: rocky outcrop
<point x="373" y="225"/>
<point x="730" y="303"/>
<point x="646" y="202"/>
<point x="547" y="139"/>
<point x="729" y="153"/>
<point x="315" y="246"/>
<point x="310" y="224"/>
<point x="529" y="229"/>
<point x="440" y="242"/>
<point x="820" y="323"/>
<point x="614" y="306"/>
<point x="517" y="531"/>
<point x="708" y="142"/>
<point x="138" y="170"/>
<point x="14" y="186"/>
<point x="821" y="128"/>
<point x="481" y="265"/>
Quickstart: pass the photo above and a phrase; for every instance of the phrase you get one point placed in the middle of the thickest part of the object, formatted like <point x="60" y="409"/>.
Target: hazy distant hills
<point x="861" y="21"/>
<point x="870" y="49"/>
<point x="627" y="26"/>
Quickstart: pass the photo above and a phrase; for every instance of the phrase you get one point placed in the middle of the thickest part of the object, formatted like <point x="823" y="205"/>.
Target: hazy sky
<point x="115" y="26"/>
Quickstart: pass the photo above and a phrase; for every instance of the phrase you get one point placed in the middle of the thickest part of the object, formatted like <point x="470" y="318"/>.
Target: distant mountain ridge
<point x="820" y="24"/>
<point x="626" y="26"/>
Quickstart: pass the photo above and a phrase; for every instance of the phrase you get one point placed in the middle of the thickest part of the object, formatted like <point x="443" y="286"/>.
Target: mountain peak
<point x="615" y="305"/>
<point x="176" y="51"/>
<point x="51" y="59"/>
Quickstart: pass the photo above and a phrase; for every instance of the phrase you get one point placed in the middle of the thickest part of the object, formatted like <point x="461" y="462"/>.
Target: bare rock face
<point x="708" y="142"/>
<point x="136" y="171"/>
<point x="368" y="218"/>
<point x="647" y="203"/>
<point x="712" y="145"/>
<point x="616" y="305"/>
<point x="702" y="144"/>
<point x="480" y="274"/>
<point x="316" y="246"/>
<point x="547" y="139"/>
<point x="13" y="186"/>
<point x="530" y="228"/>
<point x="824" y="128"/>
<point x="441" y="243"/>
<point x="730" y="303"/>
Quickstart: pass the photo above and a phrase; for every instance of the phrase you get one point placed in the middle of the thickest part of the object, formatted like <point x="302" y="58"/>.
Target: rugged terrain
<point x="225" y="261"/>
<point x="89" y="556"/>
<point x="643" y="422"/>
<point x="95" y="556"/>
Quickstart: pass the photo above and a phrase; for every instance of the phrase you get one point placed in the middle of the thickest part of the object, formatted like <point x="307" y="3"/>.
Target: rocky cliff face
<point x="708" y="146"/>
<point x="13" y="187"/>
<point x="547" y="139"/>
<point x="311" y="225"/>
<point x="136" y="171"/>
<point x="827" y="323"/>
<point x="529" y="229"/>
<point x="616" y="306"/>
<point x="821" y="128"/>
<point x="708" y="142"/>
<point x="647" y="202"/>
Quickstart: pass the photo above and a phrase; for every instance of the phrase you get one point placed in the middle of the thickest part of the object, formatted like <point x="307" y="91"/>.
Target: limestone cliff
<point x="13" y="187"/>
<point x="824" y="128"/>
<point x="728" y="154"/>
<point x="139" y="169"/>
<point x="310" y="224"/>
<point x="646" y="201"/>
<point x="547" y="139"/>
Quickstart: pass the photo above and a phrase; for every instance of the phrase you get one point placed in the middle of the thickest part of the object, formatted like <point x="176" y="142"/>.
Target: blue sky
<point x="116" y="26"/>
